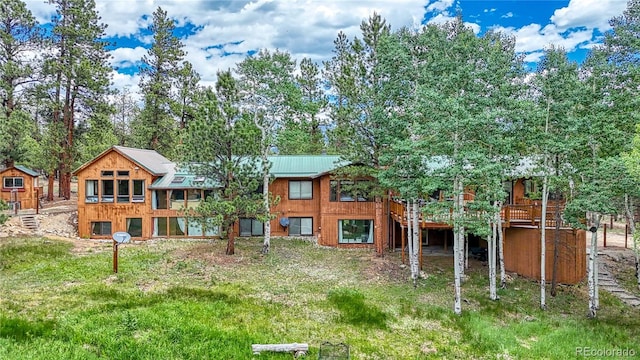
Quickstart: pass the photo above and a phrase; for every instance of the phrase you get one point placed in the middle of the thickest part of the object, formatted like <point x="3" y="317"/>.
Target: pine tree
<point x="221" y="145"/>
<point x="156" y="126"/>
<point x="78" y="74"/>
<point x="19" y="38"/>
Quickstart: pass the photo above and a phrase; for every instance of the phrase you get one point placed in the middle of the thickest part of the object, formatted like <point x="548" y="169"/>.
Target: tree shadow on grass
<point x="23" y="330"/>
<point x="355" y="311"/>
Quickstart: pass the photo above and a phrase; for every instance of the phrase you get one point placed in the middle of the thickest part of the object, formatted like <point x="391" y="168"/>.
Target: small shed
<point x="20" y="185"/>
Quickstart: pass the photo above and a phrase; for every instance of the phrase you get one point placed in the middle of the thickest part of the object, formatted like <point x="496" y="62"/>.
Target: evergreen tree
<point x="221" y="145"/>
<point x="356" y="113"/>
<point x="19" y="38"/>
<point x="302" y="132"/>
<point x="156" y="125"/>
<point x="78" y="74"/>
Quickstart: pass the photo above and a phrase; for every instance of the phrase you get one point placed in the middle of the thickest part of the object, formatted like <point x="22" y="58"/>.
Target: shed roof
<point x="26" y="170"/>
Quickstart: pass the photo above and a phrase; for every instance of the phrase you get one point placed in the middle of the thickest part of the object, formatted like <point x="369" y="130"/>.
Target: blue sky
<point x="219" y="33"/>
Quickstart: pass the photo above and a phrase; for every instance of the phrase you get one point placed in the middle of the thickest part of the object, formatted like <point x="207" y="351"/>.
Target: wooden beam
<point x="403" y="241"/>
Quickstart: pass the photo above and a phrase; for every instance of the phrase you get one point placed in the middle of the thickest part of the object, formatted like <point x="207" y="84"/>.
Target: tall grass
<point x="186" y="300"/>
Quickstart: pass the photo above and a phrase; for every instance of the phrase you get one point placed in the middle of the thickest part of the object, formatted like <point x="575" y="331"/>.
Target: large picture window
<point x="251" y="227"/>
<point x="300" y="226"/>
<point x="300" y="190"/>
<point x="13" y="182"/>
<point x="355" y="231"/>
<point x="102" y="228"/>
<point x="91" y="191"/>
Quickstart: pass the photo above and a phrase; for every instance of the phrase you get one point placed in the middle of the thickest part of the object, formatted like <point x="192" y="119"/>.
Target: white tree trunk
<point x="593" y="271"/>
<point x="410" y="242"/>
<point x="491" y="242"/>
<point x="458" y="240"/>
<point x="543" y="243"/>
<point x="415" y="270"/>
<point x="503" y="274"/>
<point x="628" y="205"/>
<point x="266" y="246"/>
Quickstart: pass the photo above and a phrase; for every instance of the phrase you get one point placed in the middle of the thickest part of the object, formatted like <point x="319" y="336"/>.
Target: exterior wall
<point x="291" y="208"/>
<point x="522" y="253"/>
<point x="333" y="211"/>
<point x="115" y="212"/>
<point x="27" y="195"/>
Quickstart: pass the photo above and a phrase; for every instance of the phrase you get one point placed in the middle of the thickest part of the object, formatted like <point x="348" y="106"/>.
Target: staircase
<point x="607" y="282"/>
<point x="29" y="222"/>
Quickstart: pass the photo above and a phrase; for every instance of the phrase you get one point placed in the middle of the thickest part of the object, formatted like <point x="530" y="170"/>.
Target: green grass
<point x="186" y="300"/>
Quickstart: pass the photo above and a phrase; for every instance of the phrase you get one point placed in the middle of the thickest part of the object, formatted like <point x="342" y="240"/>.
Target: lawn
<point x="186" y="300"/>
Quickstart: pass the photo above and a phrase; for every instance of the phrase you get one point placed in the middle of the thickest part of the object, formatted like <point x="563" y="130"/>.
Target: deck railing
<point x="511" y="214"/>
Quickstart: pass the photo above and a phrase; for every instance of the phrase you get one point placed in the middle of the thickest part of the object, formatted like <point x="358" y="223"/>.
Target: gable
<point x="149" y="160"/>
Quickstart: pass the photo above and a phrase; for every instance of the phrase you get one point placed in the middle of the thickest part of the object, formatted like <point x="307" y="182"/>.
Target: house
<point x="145" y="194"/>
<point x="521" y="216"/>
<point x="20" y="187"/>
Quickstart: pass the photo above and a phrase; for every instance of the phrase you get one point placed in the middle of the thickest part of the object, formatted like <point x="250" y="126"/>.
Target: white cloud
<point x="507" y="15"/>
<point x="439" y="5"/>
<point x="534" y="57"/>
<point x="489" y="10"/>
<point x="533" y="37"/>
<point x="126" y="57"/>
<point x="592" y="14"/>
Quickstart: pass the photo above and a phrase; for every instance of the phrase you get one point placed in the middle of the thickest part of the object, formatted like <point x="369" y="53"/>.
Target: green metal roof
<point x="182" y="179"/>
<point x="282" y="166"/>
<point x="26" y="170"/>
<point x="292" y="166"/>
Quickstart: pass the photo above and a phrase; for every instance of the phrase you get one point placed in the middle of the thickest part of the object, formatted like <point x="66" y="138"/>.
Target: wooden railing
<point x="511" y="214"/>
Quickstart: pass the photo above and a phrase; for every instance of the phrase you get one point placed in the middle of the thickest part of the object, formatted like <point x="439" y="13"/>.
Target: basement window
<point x="101" y="228"/>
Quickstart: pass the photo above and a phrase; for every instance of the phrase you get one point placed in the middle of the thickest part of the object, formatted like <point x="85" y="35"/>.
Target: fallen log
<point x="295" y="348"/>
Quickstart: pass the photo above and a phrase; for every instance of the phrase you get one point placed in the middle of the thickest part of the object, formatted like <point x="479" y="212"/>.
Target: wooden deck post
<point x="605" y="235"/>
<point x="402" y="241"/>
<point x="420" y="249"/>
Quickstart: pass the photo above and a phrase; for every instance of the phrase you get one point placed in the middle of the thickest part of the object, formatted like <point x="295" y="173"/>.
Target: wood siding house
<point x="143" y="193"/>
<point x="20" y="186"/>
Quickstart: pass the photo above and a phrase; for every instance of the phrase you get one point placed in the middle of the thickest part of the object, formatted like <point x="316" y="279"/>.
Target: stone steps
<point x="29" y="222"/>
<point x="609" y="283"/>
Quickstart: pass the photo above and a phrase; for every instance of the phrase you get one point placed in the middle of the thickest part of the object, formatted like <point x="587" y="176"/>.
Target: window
<point x="107" y="191"/>
<point x="134" y="227"/>
<point x="123" y="191"/>
<point x="349" y="191"/>
<point x="106" y="173"/>
<point x="160" y="201"/>
<point x="138" y="191"/>
<point x="101" y="228"/>
<point x="300" y="226"/>
<point x="300" y="190"/>
<point x="333" y="190"/>
<point x="123" y="173"/>
<point x="251" y="227"/>
<point x="355" y="231"/>
<point x="91" y="191"/>
<point x="177" y="199"/>
<point x="177" y="226"/>
<point x="160" y="226"/>
<point x="13" y="183"/>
